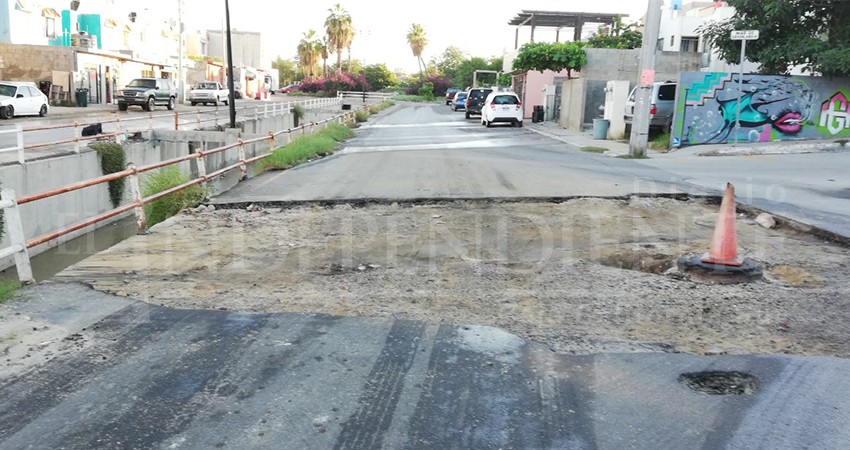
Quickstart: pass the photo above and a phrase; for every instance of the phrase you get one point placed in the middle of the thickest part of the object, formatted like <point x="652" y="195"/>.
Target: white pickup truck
<point x="208" y="92"/>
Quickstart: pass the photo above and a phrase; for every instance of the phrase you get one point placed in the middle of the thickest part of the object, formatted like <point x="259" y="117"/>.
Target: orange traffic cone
<point x="724" y="246"/>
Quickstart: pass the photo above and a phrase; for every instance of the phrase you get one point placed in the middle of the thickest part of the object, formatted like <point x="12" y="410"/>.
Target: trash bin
<point x="82" y="97"/>
<point x="600" y="128"/>
<point x="538" y="114"/>
<point x="44" y="87"/>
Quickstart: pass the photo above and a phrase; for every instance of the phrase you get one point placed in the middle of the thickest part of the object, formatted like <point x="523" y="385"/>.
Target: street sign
<point x="745" y="35"/>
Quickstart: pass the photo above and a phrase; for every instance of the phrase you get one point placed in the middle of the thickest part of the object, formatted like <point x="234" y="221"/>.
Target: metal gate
<point x="94" y="83"/>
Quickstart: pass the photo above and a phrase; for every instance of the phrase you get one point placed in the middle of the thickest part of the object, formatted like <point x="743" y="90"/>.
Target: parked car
<point x="459" y="101"/>
<point x="147" y="93"/>
<point x="504" y="107"/>
<point x="450" y="94"/>
<point x="289" y="88"/>
<point x="207" y="92"/>
<point x="475" y="100"/>
<point x="21" y="98"/>
<point x="661" y="105"/>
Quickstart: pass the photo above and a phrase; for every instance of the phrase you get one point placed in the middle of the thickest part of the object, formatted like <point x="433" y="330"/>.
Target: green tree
<point x="449" y="61"/>
<point x="287" y="70"/>
<point x="340" y="32"/>
<point x="379" y="76"/>
<point x="540" y="56"/>
<point x="309" y="52"/>
<point x="811" y="33"/>
<point x="619" y="36"/>
<point x="418" y="41"/>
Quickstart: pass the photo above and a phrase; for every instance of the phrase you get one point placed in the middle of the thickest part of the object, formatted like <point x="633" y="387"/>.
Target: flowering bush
<point x="337" y="82"/>
<point x="441" y="84"/>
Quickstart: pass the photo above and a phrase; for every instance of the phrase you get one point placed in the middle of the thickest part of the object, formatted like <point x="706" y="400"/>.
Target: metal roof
<point x="561" y="19"/>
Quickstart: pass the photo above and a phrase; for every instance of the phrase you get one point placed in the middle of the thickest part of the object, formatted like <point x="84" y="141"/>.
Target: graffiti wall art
<point x="772" y="108"/>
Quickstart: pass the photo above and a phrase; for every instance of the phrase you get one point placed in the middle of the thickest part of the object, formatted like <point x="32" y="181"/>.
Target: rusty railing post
<point x="198" y="117"/>
<point x="150" y="121"/>
<point x="176" y="121"/>
<point x="303" y="130"/>
<point x="19" y="133"/>
<point x="202" y="164"/>
<point x="312" y="127"/>
<point x="288" y="136"/>
<point x="77" y="136"/>
<point x="271" y="142"/>
<point x="243" y="168"/>
<point x="119" y="136"/>
<point x="139" y="207"/>
<point x="16" y="235"/>
<point x="216" y="116"/>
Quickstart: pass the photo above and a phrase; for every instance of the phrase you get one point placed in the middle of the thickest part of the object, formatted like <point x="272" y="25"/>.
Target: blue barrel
<point x="600" y="128"/>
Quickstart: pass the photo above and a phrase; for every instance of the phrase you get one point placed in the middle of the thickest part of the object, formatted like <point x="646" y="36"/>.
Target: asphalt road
<point x="427" y="151"/>
<point x="140" y="376"/>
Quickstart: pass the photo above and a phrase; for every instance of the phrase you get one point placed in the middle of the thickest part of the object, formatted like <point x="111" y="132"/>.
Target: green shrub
<point x="593" y="149"/>
<point x="7" y="290"/>
<point x="305" y="147"/>
<point x="167" y="178"/>
<point x="361" y="116"/>
<point x="661" y="142"/>
<point x="298" y="112"/>
<point x="427" y="91"/>
<point x="112" y="160"/>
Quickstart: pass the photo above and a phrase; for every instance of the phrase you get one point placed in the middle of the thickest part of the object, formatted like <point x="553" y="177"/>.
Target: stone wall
<point x="35" y="62"/>
<point x="612" y="64"/>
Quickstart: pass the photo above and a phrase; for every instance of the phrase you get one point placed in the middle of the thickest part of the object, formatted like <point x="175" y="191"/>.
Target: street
<point x="437" y="284"/>
<point x="134" y="119"/>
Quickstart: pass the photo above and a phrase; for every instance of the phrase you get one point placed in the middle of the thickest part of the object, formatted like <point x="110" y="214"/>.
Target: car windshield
<point x="7" y="90"/>
<point x="461" y="96"/>
<point x="505" y="100"/>
<point x="142" y="83"/>
<point x="205" y="86"/>
<point x="479" y="94"/>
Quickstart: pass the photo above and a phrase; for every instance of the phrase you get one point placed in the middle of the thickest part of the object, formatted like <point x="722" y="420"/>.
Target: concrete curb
<point x="784" y="149"/>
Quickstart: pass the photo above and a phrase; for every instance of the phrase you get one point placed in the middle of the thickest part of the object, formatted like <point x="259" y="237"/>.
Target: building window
<point x="672" y="41"/>
<point x="689" y="45"/>
<point x="660" y="45"/>
<point x="50" y="27"/>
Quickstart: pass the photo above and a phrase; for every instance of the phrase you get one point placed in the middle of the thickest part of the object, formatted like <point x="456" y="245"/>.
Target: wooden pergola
<point x="559" y="20"/>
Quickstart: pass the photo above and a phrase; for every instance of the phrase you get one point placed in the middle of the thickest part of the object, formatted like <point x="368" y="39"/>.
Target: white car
<point x="209" y="92"/>
<point x="21" y="98"/>
<point x="502" y="107"/>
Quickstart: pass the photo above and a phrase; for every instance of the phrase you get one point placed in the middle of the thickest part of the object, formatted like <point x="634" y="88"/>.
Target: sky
<point x="477" y="27"/>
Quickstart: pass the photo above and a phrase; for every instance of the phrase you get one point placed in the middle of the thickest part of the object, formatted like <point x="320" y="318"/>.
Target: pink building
<point x="531" y="87"/>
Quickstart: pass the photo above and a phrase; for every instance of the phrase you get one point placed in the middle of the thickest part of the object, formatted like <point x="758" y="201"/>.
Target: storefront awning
<point x="50" y="12"/>
<point x="22" y="5"/>
<point x="110" y="23"/>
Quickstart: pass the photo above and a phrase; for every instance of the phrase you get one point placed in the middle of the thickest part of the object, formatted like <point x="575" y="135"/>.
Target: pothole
<point x="796" y="276"/>
<point x="720" y="382"/>
<point x="642" y="259"/>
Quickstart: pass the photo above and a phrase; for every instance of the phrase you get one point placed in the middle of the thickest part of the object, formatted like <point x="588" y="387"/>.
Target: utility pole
<point x="181" y="89"/>
<point x="231" y="97"/>
<point x="640" y="125"/>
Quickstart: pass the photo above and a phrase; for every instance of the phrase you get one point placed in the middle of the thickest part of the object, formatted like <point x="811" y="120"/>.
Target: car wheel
<point x="43" y="111"/>
<point x="194" y="103"/>
<point x="122" y="106"/>
<point x="488" y="124"/>
<point x="7" y="112"/>
<point x="170" y="104"/>
<point x="467" y="114"/>
<point x="226" y="101"/>
<point x="216" y="102"/>
<point x="519" y="124"/>
<point x="149" y="105"/>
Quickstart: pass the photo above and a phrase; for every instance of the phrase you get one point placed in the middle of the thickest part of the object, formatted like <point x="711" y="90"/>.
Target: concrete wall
<point x="773" y="108"/>
<point x="614" y="64"/>
<point x="533" y="91"/>
<point x="573" y="95"/>
<point x="35" y="62"/>
<point x="54" y="213"/>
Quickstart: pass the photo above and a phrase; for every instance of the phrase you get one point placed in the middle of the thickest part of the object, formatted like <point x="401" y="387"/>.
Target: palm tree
<point x="309" y="51"/>
<point x="324" y="48"/>
<point x="417" y="40"/>
<point x="340" y="32"/>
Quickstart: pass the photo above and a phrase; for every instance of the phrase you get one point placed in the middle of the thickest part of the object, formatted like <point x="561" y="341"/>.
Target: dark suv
<point x="147" y="93"/>
<point x="475" y="101"/>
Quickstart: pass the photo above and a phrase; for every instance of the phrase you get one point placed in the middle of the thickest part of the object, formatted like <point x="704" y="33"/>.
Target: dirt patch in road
<point x="584" y="275"/>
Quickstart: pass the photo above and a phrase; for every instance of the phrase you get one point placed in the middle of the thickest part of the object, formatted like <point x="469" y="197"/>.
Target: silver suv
<point x="661" y="106"/>
<point x="147" y="93"/>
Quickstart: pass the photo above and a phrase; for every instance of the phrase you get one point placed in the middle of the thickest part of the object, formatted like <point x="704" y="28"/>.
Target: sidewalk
<point x="579" y="139"/>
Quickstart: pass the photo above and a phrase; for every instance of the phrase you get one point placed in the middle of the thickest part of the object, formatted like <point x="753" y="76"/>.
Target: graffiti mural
<point x="772" y="108"/>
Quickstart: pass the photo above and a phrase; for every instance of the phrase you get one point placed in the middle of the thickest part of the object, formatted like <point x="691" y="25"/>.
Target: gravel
<point x="583" y="276"/>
